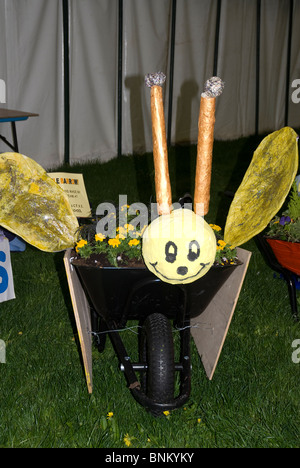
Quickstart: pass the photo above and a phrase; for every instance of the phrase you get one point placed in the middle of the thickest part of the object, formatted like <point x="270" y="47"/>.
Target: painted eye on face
<point x="171" y="251"/>
<point x="194" y="251"/>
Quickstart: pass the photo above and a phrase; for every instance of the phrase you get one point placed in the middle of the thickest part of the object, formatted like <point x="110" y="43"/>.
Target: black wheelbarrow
<point x="117" y="295"/>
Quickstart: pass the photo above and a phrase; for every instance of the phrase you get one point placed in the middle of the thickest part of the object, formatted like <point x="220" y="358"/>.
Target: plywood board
<point x="82" y="318"/>
<point x="210" y="328"/>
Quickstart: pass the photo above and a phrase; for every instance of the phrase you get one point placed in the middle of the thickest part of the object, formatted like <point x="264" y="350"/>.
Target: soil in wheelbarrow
<point x="101" y="261"/>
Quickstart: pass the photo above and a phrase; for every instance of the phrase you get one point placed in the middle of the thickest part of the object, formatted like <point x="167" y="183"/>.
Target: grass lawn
<point x="253" y="399"/>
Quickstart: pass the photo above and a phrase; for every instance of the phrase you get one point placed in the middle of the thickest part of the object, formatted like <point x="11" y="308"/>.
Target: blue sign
<point x="6" y="278"/>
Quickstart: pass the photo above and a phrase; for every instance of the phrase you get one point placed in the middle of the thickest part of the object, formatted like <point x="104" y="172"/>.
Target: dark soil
<point x="100" y="261"/>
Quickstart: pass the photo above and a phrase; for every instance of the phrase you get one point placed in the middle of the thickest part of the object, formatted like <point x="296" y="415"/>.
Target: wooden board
<point x="210" y="328"/>
<point x="82" y="317"/>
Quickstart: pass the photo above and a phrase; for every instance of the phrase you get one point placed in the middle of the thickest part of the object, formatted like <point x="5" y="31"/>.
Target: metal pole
<point x="120" y="71"/>
<point x="217" y="35"/>
<point x="171" y="77"/>
<point x="288" y="64"/>
<point x="65" y="7"/>
<point x="258" y="15"/>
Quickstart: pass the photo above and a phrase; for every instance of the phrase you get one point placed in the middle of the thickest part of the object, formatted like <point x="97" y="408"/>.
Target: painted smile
<point x="202" y="265"/>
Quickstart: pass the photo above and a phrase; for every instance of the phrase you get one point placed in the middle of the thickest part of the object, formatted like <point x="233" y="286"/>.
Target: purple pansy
<point x="284" y="220"/>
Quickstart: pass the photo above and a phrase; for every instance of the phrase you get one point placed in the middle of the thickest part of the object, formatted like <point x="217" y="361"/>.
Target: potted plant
<point x="124" y="248"/>
<point x="283" y="233"/>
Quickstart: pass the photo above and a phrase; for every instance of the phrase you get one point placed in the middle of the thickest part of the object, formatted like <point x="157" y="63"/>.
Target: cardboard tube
<point x="204" y="155"/>
<point x="160" y="152"/>
<point x="213" y="88"/>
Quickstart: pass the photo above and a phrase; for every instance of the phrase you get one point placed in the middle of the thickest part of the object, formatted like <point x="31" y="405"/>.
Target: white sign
<point x="73" y="186"/>
<point x="7" y="291"/>
<point x="2" y="92"/>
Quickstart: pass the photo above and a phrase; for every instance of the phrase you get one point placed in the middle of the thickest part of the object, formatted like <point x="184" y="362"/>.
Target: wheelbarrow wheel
<point x="157" y="352"/>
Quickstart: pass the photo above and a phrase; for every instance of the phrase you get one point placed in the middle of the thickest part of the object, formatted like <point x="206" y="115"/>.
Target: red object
<point x="287" y="254"/>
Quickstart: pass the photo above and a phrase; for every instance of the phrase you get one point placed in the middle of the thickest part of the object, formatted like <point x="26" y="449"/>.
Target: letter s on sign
<point x="3" y="274"/>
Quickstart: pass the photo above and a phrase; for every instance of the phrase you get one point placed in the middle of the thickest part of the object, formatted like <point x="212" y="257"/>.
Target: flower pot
<point x="287" y="254"/>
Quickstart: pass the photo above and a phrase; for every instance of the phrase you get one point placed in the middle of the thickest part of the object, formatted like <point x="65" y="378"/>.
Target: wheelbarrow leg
<point x="183" y="324"/>
<point x="123" y="357"/>
<point x="288" y="276"/>
<point x="99" y="331"/>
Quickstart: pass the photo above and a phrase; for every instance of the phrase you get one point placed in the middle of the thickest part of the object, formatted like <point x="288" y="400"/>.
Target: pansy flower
<point x="284" y="220"/>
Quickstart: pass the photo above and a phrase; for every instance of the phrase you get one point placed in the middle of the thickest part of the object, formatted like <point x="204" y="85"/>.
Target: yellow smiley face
<point x="179" y="247"/>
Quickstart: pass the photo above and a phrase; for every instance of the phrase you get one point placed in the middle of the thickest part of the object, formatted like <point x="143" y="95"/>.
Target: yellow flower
<point x="114" y="242"/>
<point x="99" y="237"/>
<point x="127" y="439"/>
<point x="166" y="413"/>
<point x="109" y="415"/>
<point x="129" y="227"/>
<point x="133" y="242"/>
<point x="80" y="244"/>
<point x="222" y="244"/>
<point x="215" y="227"/>
<point x="122" y="232"/>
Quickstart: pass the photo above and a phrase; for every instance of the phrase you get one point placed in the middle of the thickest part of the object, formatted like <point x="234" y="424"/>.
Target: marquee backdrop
<point x="80" y="65"/>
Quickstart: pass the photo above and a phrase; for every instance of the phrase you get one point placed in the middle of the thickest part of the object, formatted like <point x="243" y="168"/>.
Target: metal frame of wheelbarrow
<point x="111" y="311"/>
<point x="111" y="328"/>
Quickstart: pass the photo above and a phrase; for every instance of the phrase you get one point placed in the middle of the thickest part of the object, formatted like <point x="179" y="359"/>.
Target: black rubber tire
<point x="157" y="351"/>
